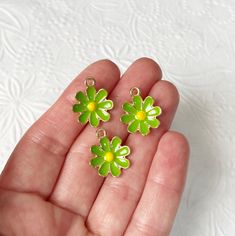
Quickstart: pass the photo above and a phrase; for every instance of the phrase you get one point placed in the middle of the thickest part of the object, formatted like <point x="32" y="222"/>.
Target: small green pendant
<point x="140" y="115"/>
<point x="92" y="106"/>
<point x="109" y="156"/>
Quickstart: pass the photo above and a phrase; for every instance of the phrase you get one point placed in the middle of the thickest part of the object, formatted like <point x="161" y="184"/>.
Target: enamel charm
<point x="92" y="106"/>
<point x="140" y="115"/>
<point x="109" y="156"/>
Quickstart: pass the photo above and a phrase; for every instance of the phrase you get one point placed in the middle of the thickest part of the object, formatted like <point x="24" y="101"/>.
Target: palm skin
<point x="48" y="188"/>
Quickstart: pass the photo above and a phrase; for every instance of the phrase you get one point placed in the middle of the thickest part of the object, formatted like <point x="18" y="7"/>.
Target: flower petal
<point x="79" y="108"/>
<point x="101" y="95"/>
<point x="115" y="171"/>
<point x="91" y="92"/>
<point x="134" y="126"/>
<point x="108" y="104"/>
<point x="104" y="169"/>
<point x="127" y="118"/>
<point x="156" y="111"/>
<point x="97" y="161"/>
<point x="148" y="103"/>
<point x="127" y="107"/>
<point x="103" y="115"/>
<point x="94" y="120"/>
<point x="154" y="123"/>
<point x="105" y="144"/>
<point x="83" y="118"/>
<point x="123" y="151"/>
<point x="97" y="150"/>
<point x="123" y="162"/>
<point x="144" y="128"/>
<point x="137" y="100"/>
<point x="116" y="142"/>
<point x="80" y="96"/>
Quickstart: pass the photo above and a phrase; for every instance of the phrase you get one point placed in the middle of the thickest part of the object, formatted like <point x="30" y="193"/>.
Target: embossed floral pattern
<point x="110" y="157"/>
<point x="19" y="104"/>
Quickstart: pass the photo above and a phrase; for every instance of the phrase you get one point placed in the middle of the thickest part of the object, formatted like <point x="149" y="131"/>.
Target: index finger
<point x="37" y="159"/>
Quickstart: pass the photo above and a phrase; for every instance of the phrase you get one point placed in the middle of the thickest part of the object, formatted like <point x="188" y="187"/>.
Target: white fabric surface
<point x="44" y="44"/>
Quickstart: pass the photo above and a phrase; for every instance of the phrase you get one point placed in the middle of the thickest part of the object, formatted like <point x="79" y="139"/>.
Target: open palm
<point x="48" y="187"/>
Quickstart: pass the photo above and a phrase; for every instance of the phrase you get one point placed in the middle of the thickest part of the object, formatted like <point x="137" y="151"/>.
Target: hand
<point x="48" y="187"/>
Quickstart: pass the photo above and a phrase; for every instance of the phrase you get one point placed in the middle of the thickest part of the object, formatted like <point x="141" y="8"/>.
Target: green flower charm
<point x="110" y="156"/>
<point x="141" y="115"/>
<point x="93" y="106"/>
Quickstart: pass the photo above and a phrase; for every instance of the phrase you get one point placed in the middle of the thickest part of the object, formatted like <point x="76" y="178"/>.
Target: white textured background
<point x="44" y="44"/>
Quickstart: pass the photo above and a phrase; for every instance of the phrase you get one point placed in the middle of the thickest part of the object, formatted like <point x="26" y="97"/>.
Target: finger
<point x="118" y="197"/>
<point x="28" y="214"/>
<point x="157" y="208"/>
<point x="79" y="182"/>
<point x="36" y="161"/>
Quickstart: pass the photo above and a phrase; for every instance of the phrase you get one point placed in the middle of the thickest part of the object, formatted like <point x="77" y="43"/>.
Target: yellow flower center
<point x="108" y="156"/>
<point x="140" y="115"/>
<point x="91" y="106"/>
